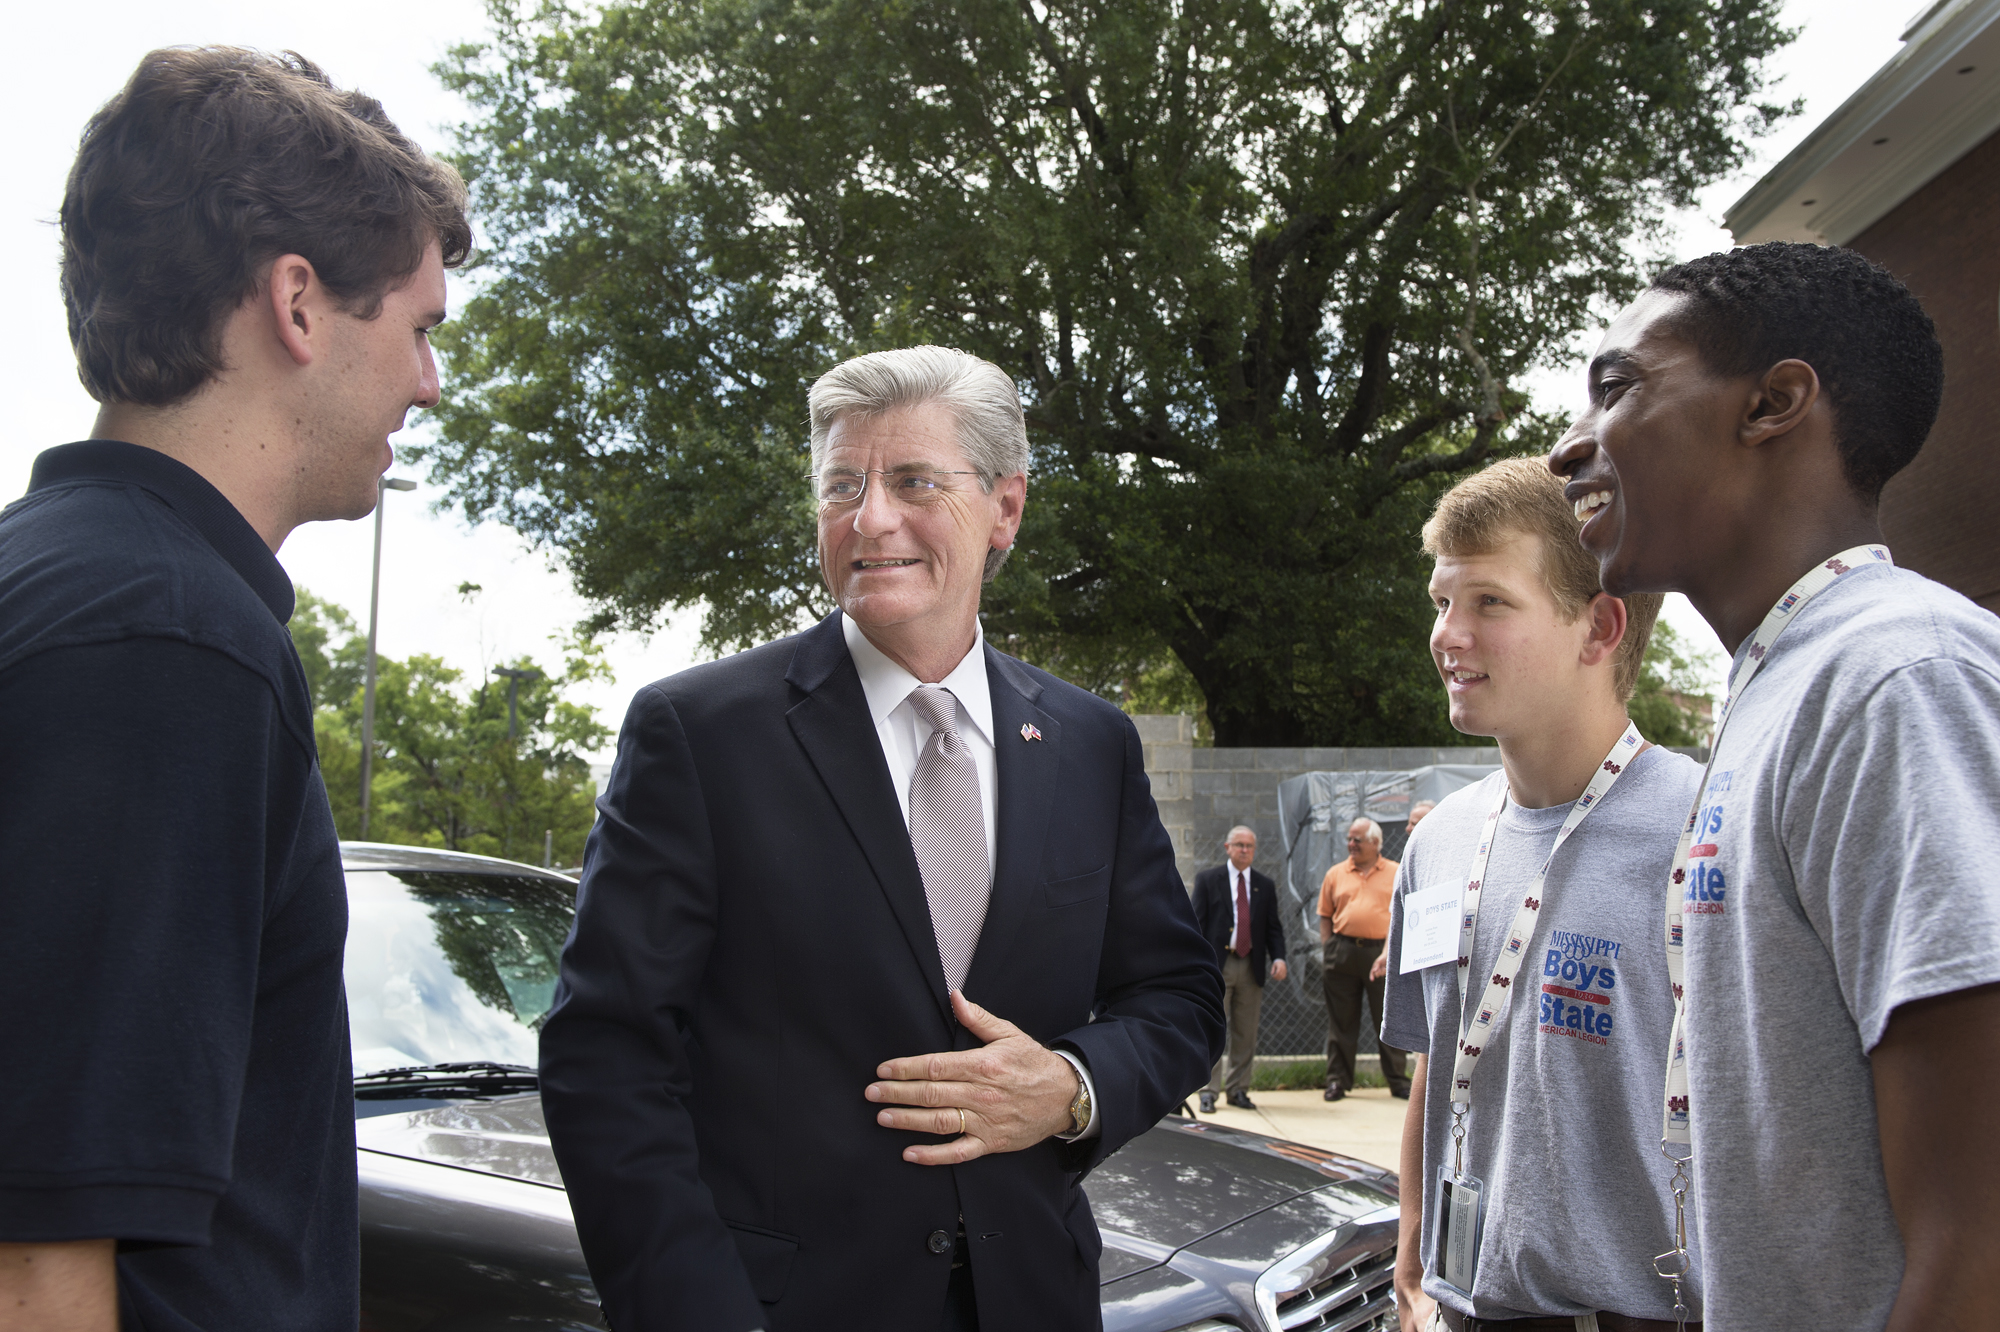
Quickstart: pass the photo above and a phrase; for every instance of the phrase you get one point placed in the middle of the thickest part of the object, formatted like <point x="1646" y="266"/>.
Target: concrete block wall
<point x="1168" y="743"/>
<point x="1203" y="793"/>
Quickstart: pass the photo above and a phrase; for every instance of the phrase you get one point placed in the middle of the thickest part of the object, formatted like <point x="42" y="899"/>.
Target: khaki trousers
<point x="1242" y="1004"/>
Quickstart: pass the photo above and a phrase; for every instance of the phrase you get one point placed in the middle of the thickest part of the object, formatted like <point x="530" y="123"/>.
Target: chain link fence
<point x="1314" y="811"/>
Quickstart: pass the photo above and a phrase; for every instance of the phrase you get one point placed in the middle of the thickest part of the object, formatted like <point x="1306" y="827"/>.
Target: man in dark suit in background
<point x="879" y="945"/>
<point x="1238" y="911"/>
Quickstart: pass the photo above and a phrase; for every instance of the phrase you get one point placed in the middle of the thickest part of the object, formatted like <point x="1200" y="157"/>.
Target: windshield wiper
<point x="477" y="1078"/>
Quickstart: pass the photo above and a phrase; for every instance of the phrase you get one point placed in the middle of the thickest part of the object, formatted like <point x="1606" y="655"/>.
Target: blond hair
<point x="1521" y="497"/>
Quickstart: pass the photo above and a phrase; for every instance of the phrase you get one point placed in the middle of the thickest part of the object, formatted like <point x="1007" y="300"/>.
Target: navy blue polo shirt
<point x="173" y="1027"/>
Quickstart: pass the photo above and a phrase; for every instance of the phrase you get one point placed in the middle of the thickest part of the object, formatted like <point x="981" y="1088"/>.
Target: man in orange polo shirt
<point x="1353" y="922"/>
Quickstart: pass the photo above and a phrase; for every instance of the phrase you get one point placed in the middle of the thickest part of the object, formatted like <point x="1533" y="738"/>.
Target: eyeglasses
<point x="841" y="488"/>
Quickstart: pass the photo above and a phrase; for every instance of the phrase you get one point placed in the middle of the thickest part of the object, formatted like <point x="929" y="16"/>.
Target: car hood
<point x="1167" y="1190"/>
<point x="506" y="1137"/>
<point x="1183" y="1181"/>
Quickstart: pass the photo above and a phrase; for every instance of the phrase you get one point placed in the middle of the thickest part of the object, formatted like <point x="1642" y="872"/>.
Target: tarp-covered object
<point x="1314" y="811"/>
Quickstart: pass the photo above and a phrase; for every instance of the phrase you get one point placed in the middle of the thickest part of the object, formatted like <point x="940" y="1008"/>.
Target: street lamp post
<point x="383" y="485"/>
<point x="514" y="678"/>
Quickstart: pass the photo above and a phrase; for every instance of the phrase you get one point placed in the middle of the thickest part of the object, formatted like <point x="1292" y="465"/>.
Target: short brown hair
<point x="210" y="163"/>
<point x="1521" y="497"/>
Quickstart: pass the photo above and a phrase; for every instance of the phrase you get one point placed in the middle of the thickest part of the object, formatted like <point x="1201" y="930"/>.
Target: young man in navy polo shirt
<point x="252" y="262"/>
<point x="1834" y="891"/>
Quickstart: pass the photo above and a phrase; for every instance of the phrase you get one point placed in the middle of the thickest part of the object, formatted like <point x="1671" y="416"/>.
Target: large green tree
<point x="1268" y="275"/>
<point x="448" y="773"/>
<point x="1672" y="703"/>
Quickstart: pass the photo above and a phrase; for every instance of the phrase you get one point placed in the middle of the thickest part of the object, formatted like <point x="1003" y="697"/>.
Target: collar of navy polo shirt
<point x="185" y="491"/>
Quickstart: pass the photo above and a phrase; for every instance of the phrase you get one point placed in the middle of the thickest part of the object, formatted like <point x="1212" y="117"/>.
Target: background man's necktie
<point x="948" y="831"/>
<point x="1242" y="914"/>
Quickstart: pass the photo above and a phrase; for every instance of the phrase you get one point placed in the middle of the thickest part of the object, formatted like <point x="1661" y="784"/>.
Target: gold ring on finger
<point x="961" y="1121"/>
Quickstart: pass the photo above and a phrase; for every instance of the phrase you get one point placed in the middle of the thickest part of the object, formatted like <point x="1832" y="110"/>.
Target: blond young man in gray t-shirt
<point x="1838" y="899"/>
<point x="1562" y="1126"/>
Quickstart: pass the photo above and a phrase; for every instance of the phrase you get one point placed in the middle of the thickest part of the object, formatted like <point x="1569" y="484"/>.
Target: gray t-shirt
<point x="1565" y="1122"/>
<point x="1842" y="867"/>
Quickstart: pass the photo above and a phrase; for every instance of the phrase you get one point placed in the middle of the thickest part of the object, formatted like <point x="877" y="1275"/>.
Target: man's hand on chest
<point x="1009" y="1094"/>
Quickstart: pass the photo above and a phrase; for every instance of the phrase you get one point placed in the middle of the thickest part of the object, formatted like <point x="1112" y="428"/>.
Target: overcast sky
<point x="86" y="50"/>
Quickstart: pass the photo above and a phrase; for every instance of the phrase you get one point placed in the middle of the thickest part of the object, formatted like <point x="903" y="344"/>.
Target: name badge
<point x="1430" y="928"/>
<point x="1459" y="1226"/>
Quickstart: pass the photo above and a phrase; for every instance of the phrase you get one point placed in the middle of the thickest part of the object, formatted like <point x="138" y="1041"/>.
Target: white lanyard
<point x="1675" y="1125"/>
<point x="1473" y="1033"/>
<point x="1675" y="1135"/>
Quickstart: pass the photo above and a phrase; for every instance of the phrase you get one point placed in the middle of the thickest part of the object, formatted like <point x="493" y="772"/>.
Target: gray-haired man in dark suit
<point x="1238" y="911"/>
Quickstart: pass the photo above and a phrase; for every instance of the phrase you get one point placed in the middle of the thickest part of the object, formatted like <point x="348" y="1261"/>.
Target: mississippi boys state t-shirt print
<point x="1579" y="983"/>
<point x="1705" y="890"/>
<point x="1565" y="1121"/>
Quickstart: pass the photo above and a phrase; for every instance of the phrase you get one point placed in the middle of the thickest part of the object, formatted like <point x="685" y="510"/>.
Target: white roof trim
<point x="1931" y="10"/>
<point x="1840" y="181"/>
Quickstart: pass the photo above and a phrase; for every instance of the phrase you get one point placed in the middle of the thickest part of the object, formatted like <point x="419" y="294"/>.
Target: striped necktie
<point x="1242" y="914"/>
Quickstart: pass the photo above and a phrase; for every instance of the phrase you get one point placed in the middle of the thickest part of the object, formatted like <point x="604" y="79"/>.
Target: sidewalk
<point x="1368" y="1124"/>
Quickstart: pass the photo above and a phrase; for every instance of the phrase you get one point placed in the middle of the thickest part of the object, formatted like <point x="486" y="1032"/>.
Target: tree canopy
<point x="447" y="772"/>
<point x="1267" y="274"/>
<point x="1671" y="704"/>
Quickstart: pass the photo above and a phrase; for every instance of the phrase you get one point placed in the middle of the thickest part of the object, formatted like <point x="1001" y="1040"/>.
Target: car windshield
<point x="449" y="967"/>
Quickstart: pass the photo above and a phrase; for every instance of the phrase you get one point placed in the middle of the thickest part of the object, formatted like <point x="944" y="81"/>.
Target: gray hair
<point x="981" y="398"/>
<point x="1241" y="827"/>
<point x="1374" y="830"/>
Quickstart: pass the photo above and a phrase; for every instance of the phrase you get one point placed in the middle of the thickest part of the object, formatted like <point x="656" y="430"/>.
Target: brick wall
<point x="1944" y="242"/>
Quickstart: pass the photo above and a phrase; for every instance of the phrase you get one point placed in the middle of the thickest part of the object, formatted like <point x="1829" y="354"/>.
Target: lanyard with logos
<point x="1460" y="1196"/>
<point x="1675" y="1131"/>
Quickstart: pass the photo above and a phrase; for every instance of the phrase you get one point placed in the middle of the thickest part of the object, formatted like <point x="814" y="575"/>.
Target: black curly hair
<point x="1873" y="347"/>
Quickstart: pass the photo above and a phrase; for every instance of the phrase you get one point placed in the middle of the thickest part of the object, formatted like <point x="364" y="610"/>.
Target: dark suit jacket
<point x="1215" y="910"/>
<point x="752" y="940"/>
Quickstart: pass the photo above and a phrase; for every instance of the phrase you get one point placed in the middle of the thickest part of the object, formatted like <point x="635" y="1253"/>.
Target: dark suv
<point x="451" y="963"/>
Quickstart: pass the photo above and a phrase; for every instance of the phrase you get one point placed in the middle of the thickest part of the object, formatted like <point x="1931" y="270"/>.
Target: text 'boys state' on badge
<point x="1430" y="927"/>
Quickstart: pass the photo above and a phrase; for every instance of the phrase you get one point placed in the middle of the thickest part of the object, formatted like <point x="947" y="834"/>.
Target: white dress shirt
<point x="903" y="734"/>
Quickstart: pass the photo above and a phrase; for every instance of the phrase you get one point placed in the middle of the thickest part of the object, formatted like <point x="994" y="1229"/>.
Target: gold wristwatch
<point x="1079" y="1106"/>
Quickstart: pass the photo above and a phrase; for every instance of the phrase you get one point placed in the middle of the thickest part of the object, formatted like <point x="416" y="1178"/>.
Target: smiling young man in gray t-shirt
<point x="1837" y="899"/>
<point x="1561" y="1130"/>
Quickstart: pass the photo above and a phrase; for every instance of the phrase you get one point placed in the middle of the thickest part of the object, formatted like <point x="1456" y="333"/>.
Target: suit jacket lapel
<point x="1026" y="770"/>
<point x="834" y="727"/>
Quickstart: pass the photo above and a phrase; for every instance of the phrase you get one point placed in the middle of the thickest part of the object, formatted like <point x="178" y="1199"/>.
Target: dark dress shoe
<point x="1334" y="1092"/>
<point x="1401" y="1093"/>
<point x="1208" y="1103"/>
<point x="1242" y="1101"/>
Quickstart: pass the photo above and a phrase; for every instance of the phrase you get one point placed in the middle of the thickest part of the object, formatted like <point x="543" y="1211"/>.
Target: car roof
<point x="383" y="856"/>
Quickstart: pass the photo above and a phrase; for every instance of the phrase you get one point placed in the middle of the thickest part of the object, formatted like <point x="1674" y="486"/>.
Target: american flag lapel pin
<point x="1028" y="732"/>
